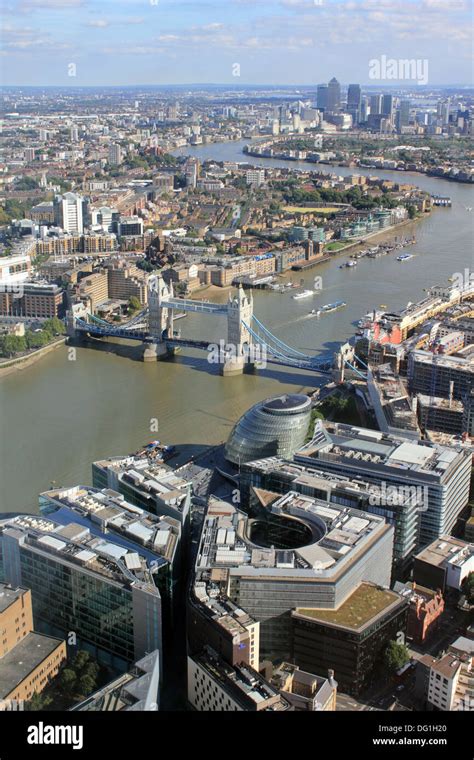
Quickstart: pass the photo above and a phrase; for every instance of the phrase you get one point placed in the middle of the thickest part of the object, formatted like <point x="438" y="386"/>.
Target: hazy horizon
<point x="203" y="42"/>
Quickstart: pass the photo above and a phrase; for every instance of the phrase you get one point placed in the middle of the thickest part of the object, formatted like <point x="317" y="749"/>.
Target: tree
<point x="67" y="680"/>
<point x="12" y="344"/>
<point x="86" y="685"/>
<point x="38" y="702"/>
<point x="468" y="588"/>
<point x="81" y="659"/>
<point x="134" y="304"/>
<point x="37" y="339"/>
<point x="411" y="212"/>
<point x="396" y="656"/>
<point x="54" y="326"/>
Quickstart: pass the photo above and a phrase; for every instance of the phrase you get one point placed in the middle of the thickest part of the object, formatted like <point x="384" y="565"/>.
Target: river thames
<point x="60" y="415"/>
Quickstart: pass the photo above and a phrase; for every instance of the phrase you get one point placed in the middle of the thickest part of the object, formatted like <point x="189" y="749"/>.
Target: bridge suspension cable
<point x="276" y="340"/>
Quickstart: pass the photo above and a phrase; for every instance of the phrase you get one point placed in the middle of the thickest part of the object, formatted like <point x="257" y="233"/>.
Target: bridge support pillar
<point x="153" y="352"/>
<point x="234" y="366"/>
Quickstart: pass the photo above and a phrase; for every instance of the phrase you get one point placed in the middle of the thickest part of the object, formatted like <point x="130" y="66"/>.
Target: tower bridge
<point x="248" y="340"/>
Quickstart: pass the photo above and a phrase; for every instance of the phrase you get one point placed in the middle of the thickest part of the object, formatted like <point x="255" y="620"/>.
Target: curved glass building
<point x="274" y="427"/>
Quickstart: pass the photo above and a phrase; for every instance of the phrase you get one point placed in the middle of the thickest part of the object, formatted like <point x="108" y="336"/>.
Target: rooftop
<point x="245" y="685"/>
<point x="364" y="605"/>
<point x="331" y="535"/>
<point x="9" y="595"/>
<point x="446" y="550"/>
<point x="73" y="543"/>
<point x="453" y="362"/>
<point x="20" y="661"/>
<point x="106" y="511"/>
<point x="336" y="442"/>
<point x="149" y="476"/>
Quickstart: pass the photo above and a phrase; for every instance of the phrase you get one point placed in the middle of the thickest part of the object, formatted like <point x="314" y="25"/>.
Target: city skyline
<point x="173" y="42"/>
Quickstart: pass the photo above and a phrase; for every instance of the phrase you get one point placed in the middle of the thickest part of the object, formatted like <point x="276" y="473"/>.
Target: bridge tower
<point x="160" y="318"/>
<point x="239" y="340"/>
<point x="345" y="354"/>
<point x="77" y="311"/>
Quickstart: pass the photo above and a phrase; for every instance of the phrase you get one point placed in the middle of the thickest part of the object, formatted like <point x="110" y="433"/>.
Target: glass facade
<point x="274" y="427"/>
<point x="73" y="600"/>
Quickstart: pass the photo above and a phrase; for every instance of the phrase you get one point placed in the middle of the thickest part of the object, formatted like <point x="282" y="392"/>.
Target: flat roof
<point x="9" y="595"/>
<point x="366" y="603"/>
<point x="20" y="661"/>
<point x="446" y="549"/>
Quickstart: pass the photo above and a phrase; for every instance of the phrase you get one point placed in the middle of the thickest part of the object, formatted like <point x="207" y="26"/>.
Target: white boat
<point x="303" y="294"/>
<point x="405" y="257"/>
<point x="333" y="306"/>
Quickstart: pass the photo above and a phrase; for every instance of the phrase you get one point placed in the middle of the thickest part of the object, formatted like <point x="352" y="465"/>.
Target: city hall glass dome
<point x="274" y="427"/>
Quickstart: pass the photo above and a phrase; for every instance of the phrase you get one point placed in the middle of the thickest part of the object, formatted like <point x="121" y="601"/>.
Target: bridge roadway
<point x="316" y="364"/>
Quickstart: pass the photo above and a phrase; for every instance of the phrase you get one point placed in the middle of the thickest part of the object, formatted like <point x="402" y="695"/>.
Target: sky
<point x="157" y="42"/>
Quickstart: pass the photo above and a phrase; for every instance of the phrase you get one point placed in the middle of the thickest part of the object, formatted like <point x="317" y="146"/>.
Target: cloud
<point x="99" y="23"/>
<point x="102" y="23"/>
<point x="24" y="39"/>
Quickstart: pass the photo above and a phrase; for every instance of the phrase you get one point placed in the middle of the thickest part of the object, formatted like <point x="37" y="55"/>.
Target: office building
<point x="129" y="225"/>
<point x="293" y="550"/>
<point x="146" y="483"/>
<point x="440" y="375"/>
<point x="322" y="97"/>
<point x="305" y="691"/>
<point x="106" y="513"/>
<point x="80" y="582"/>
<point x="439" y="474"/>
<point x="388" y="105"/>
<point x="351" y="638"/>
<point x="68" y="212"/>
<point x="333" y="96"/>
<point x="364" y="109"/>
<point x="444" y="564"/>
<point x="375" y="105"/>
<point x="105" y="216"/>
<point x="403" y="114"/>
<point x="400" y="509"/>
<point x="35" y="300"/>
<point x="274" y="427"/>
<point x="216" y="686"/>
<point x="354" y="97"/>
<point x="28" y="660"/>
<point x="354" y="102"/>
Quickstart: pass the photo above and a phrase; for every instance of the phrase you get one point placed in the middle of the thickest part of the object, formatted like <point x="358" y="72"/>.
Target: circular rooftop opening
<point x="282" y="532"/>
